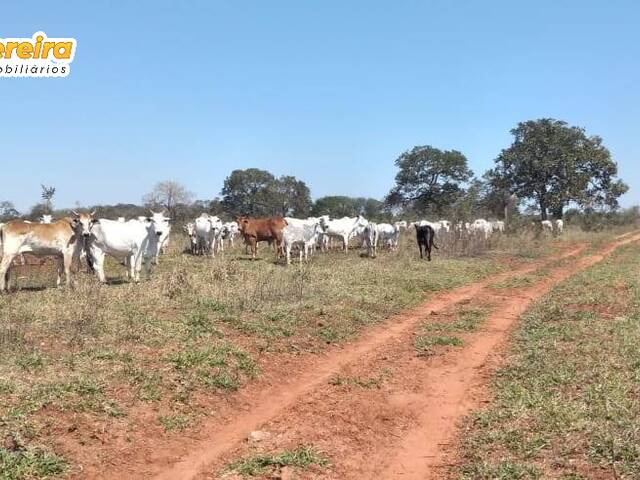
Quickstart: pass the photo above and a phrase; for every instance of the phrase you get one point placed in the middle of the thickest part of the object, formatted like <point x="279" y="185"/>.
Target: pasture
<point x="87" y="374"/>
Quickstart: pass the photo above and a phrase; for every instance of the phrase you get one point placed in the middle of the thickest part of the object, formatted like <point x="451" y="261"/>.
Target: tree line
<point x="548" y="168"/>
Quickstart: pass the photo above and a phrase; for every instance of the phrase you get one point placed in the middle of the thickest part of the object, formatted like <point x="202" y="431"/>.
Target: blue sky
<point x="331" y="92"/>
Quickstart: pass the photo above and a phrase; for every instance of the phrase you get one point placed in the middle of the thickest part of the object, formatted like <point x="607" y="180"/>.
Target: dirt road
<point x="403" y="426"/>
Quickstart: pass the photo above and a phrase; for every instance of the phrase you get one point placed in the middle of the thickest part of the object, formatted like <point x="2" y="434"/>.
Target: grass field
<point x="567" y="403"/>
<point x="104" y="353"/>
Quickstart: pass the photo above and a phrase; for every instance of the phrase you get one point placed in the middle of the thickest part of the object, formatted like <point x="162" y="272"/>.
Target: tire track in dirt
<point x="454" y="389"/>
<point x="271" y="402"/>
<point x="407" y="428"/>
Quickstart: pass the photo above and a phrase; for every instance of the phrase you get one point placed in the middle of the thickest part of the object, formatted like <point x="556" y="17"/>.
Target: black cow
<point x="424" y="235"/>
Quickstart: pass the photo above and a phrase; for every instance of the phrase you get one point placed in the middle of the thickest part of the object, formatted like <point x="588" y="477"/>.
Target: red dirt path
<point x="404" y="429"/>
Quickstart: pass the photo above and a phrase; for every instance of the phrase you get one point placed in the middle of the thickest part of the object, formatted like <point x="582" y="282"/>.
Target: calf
<point x="389" y="235"/>
<point x="370" y="235"/>
<point x="424" y="236"/>
<point x="229" y="232"/>
<point x="162" y="225"/>
<point x="190" y="230"/>
<point x="559" y="226"/>
<point x="256" y="230"/>
<point x="303" y="236"/>
<point x="59" y="238"/>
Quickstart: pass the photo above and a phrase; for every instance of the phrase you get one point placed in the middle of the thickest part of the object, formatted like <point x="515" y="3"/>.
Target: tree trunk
<point x="543" y="210"/>
<point x="557" y="213"/>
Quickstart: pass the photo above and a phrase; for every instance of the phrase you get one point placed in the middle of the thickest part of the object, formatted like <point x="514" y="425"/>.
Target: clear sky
<point x="329" y="91"/>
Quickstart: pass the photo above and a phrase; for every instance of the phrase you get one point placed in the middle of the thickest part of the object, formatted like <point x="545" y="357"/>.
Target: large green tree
<point x="553" y="164"/>
<point x="337" y="206"/>
<point x="258" y="193"/>
<point x="429" y="180"/>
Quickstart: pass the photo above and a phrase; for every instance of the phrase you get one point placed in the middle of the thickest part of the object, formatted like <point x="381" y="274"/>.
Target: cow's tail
<point x="431" y="239"/>
<point x="1" y="239"/>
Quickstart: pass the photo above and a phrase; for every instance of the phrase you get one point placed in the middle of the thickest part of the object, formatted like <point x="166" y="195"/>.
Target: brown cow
<point x="256" y="230"/>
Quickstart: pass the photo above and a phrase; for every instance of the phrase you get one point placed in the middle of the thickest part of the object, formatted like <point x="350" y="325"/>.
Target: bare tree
<point x="169" y="195"/>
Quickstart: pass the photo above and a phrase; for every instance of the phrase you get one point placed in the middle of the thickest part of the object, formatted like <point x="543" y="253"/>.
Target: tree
<point x="553" y="164"/>
<point x="429" y="180"/>
<point x="8" y="211"/>
<point x="258" y="193"/>
<point x="169" y="195"/>
<point x="293" y="197"/>
<point x="47" y="198"/>
<point x="337" y="206"/>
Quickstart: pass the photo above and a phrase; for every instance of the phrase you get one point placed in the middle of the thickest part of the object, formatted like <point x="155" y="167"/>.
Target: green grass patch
<point x="466" y="320"/>
<point x="216" y="366"/>
<point x="426" y="344"/>
<point x="30" y="463"/>
<point x="174" y="422"/>
<point x="301" y="457"/>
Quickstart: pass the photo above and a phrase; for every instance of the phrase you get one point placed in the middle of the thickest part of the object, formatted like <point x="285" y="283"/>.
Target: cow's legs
<point x="67" y="260"/>
<point x="345" y="243"/>
<point x="147" y="267"/>
<point x="98" y="258"/>
<point x="5" y="270"/>
<point x="136" y="265"/>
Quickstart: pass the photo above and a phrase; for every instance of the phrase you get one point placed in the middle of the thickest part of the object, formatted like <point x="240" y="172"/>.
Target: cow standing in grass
<point x="256" y="230"/>
<point x="60" y="238"/>
<point x="424" y="236"/>
<point x="131" y="242"/>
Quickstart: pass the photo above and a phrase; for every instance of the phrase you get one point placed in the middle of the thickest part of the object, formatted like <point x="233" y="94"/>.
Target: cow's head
<point x="242" y="222"/>
<point x="161" y="223"/>
<point x="361" y="221"/>
<point x="84" y="222"/>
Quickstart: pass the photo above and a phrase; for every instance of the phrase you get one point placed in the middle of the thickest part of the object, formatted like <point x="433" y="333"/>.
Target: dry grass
<point x="199" y="325"/>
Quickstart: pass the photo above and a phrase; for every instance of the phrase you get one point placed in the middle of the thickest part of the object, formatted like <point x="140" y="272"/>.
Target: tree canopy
<point x="258" y="193"/>
<point x="554" y="164"/>
<point x="337" y="206"/>
<point x="429" y="180"/>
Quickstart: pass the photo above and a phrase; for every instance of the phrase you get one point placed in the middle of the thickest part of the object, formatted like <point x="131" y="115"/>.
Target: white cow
<point x="445" y="225"/>
<point x="497" y="226"/>
<point x="303" y="236"/>
<point x="343" y="228"/>
<point x="229" y="232"/>
<point x="388" y="235"/>
<point x="163" y="225"/>
<point x="190" y="230"/>
<point x="559" y="224"/>
<point x="547" y="226"/>
<point x="208" y="229"/>
<point x="131" y="242"/>
<point x="59" y="238"/>
<point x="481" y="227"/>
<point x="401" y="224"/>
<point x="46" y="218"/>
<point x="370" y="236"/>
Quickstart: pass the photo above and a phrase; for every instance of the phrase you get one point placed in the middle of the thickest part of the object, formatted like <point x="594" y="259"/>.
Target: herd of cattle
<point x="83" y="237"/>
